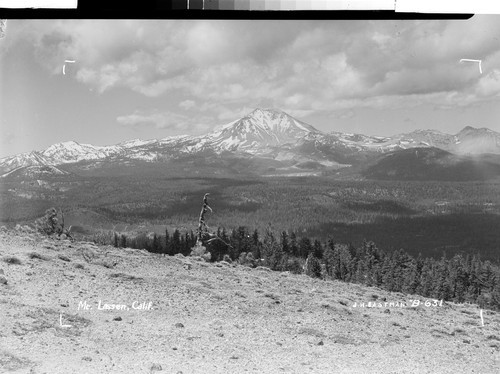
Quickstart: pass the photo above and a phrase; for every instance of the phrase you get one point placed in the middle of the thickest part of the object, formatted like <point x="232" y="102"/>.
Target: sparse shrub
<point x="24" y="228"/>
<point x="312" y="332"/>
<point x="227" y="258"/>
<point x="198" y="250"/>
<point x="48" y="223"/>
<point x="247" y="259"/>
<point x="271" y="296"/>
<point x="239" y="294"/>
<point x="88" y="255"/>
<point x="295" y="265"/>
<point x="469" y="312"/>
<point x="207" y="257"/>
<point x="103" y="237"/>
<point x="107" y="263"/>
<point x="38" y="256"/>
<point x="264" y="268"/>
<point x="201" y="251"/>
<point x="155" y="367"/>
<point x="484" y="300"/>
<point x="64" y="258"/>
<point x="313" y="266"/>
<point x="12" y="260"/>
<point x="124" y="276"/>
<point x="250" y="260"/>
<point x="241" y="259"/>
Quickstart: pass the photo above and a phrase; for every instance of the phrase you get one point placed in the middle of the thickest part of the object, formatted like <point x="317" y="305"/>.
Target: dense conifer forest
<point x="461" y="278"/>
<point x="421" y="217"/>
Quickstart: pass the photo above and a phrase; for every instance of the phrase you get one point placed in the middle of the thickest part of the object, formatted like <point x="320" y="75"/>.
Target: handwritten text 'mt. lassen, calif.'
<point x="136" y="305"/>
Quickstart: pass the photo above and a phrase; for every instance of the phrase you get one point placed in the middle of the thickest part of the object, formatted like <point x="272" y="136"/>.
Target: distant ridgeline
<point x="461" y="278"/>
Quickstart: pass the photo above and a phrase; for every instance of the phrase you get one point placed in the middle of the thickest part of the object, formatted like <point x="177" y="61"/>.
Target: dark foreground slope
<point x="216" y="318"/>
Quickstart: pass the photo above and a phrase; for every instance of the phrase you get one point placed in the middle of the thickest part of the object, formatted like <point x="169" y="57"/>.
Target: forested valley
<point x="435" y="239"/>
<point x="461" y="278"/>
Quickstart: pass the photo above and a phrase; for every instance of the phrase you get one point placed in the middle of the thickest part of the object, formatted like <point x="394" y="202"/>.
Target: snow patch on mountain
<point x="268" y="133"/>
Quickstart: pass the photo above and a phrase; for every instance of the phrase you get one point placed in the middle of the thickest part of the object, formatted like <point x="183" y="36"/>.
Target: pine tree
<point x="294" y="249"/>
<point x="495" y="293"/>
<point x="284" y="242"/>
<point x="256" y="245"/>
<point x="318" y="249"/>
<point x="474" y="289"/>
<point x="305" y="247"/>
<point x="487" y="276"/>
<point x="371" y="263"/>
<point x="167" y="249"/>
<point x="402" y="266"/>
<point x="313" y="266"/>
<point x="345" y="262"/>
<point x="176" y="242"/>
<point x="458" y="278"/>
<point x="442" y="288"/>
<point x="412" y="278"/>
<point x="215" y="248"/>
<point x="388" y="278"/>
<point x="278" y="259"/>
<point x="331" y="260"/>
<point x="225" y="239"/>
<point x="272" y="251"/>
<point x="425" y="285"/>
<point x="192" y="238"/>
<point x="186" y="245"/>
<point x="156" y="244"/>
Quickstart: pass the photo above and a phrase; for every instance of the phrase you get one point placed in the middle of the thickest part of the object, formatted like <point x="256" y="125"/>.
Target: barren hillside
<point x="199" y="317"/>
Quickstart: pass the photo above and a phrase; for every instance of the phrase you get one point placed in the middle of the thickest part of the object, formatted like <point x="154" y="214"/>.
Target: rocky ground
<point x="181" y="315"/>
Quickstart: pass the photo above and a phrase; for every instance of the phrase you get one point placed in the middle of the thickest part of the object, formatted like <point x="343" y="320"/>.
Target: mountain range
<point x="272" y="139"/>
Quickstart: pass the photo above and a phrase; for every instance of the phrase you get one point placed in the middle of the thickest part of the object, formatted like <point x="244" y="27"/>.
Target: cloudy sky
<point x="153" y="79"/>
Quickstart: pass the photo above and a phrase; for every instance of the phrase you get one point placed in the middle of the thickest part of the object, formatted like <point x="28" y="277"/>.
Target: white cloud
<point x="165" y="120"/>
<point x="219" y="67"/>
<point x="187" y="104"/>
<point x="489" y="85"/>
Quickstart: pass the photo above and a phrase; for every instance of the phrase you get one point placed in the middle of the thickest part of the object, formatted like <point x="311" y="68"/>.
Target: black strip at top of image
<point x="177" y="9"/>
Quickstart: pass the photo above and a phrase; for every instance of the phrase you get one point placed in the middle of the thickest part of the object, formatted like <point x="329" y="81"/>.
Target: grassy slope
<point x="234" y="319"/>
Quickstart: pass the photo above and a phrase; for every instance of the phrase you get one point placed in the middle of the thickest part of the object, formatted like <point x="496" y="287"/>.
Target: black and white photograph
<point x="250" y="196"/>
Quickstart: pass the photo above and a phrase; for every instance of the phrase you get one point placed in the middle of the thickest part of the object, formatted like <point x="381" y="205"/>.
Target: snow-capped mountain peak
<point x="471" y="140"/>
<point x="268" y="133"/>
<point x="277" y="121"/>
<point x="136" y="143"/>
<point x="72" y="151"/>
<point x="260" y="128"/>
<point x="473" y="131"/>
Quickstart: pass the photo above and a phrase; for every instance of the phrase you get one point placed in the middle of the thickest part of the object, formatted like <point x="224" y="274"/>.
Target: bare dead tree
<point x="203" y="234"/>
<point x="202" y="226"/>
